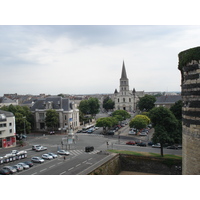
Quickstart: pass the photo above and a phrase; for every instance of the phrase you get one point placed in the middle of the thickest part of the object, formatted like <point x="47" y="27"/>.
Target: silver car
<point x="12" y="170"/>
<point x="53" y="155"/>
<point x="18" y="167"/>
<point x="25" y="166"/>
<point x="37" y="160"/>
<point x="47" y="156"/>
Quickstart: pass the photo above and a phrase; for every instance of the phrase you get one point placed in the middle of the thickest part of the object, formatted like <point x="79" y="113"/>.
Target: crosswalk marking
<point x="79" y="152"/>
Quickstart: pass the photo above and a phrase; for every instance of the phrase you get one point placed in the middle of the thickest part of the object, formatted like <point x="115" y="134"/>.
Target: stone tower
<point x="126" y="99"/>
<point x="189" y="65"/>
<point x="124" y="83"/>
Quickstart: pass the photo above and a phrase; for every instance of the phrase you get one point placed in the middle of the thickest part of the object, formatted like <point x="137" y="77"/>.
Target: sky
<point x="87" y="59"/>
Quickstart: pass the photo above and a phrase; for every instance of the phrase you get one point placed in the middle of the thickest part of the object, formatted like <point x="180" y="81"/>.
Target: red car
<point x="131" y="143"/>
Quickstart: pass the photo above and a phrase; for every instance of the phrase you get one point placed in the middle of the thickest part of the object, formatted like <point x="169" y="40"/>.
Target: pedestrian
<point x="64" y="157"/>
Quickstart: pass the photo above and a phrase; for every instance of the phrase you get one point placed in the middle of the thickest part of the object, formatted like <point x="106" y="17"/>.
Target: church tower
<point x="126" y="99"/>
<point x="124" y="82"/>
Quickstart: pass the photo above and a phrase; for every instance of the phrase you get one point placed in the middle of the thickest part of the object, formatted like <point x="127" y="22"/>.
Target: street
<point x="79" y="161"/>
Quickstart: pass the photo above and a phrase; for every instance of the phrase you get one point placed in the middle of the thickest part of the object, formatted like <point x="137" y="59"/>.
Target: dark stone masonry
<point x="189" y="65"/>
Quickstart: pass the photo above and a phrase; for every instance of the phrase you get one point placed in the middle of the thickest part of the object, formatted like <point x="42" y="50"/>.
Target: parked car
<point x="4" y="172"/>
<point x="132" y="132"/>
<point x="89" y="148"/>
<point x="79" y="131"/>
<point x="53" y="155"/>
<point x="29" y="163"/>
<point x="172" y="147"/>
<point x="63" y="152"/>
<point x="141" y="144"/>
<point x="25" y="166"/>
<point x="18" y="167"/>
<point x="41" y="148"/>
<point x="36" y="146"/>
<point x="47" y="156"/>
<point x="131" y="143"/>
<point x="51" y="132"/>
<point x="111" y="132"/>
<point x="11" y="169"/>
<point x="156" y="145"/>
<point x="150" y="143"/>
<point x="37" y="160"/>
<point x="143" y="134"/>
<point x="90" y="131"/>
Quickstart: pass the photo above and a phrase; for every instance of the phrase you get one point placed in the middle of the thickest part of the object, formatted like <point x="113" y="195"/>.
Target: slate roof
<point x="123" y="76"/>
<point x="6" y="100"/>
<point x="57" y="103"/>
<point x="171" y="99"/>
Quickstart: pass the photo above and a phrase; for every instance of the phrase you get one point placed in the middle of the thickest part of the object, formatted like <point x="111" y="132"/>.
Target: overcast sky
<point x="88" y="59"/>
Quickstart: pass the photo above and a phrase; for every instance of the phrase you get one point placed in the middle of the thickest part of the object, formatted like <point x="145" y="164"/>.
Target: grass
<point x="146" y="154"/>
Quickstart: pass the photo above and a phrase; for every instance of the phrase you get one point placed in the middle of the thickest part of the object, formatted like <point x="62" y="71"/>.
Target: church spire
<point x="123" y="76"/>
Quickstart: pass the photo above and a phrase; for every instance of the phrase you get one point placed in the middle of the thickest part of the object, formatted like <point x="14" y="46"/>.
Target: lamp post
<point x="24" y="127"/>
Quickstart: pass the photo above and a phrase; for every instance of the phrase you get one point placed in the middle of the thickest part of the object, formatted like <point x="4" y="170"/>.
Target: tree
<point x="94" y="106"/>
<point x="90" y="106"/>
<point x="123" y="113"/>
<point x="106" y="122"/>
<point x="52" y="119"/>
<point x="139" y="122"/>
<point x="84" y="107"/>
<point x="177" y="109"/>
<point x="166" y="126"/>
<point x="23" y="116"/>
<point x="108" y="104"/>
<point x="147" y="102"/>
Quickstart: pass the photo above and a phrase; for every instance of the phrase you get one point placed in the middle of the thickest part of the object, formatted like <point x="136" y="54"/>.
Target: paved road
<point x="79" y="162"/>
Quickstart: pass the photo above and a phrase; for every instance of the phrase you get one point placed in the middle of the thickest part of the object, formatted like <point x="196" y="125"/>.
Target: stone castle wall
<point x="190" y="71"/>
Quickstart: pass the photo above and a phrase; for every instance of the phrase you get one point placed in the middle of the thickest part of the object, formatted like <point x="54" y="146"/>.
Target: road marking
<point x="90" y="158"/>
<point x="84" y="161"/>
<point x="88" y="163"/>
<point x="34" y="173"/>
<point x="43" y="170"/>
<point x="70" y="168"/>
<point x="62" y="172"/>
<point x="78" y="165"/>
<point x="51" y="166"/>
<point x="60" y="163"/>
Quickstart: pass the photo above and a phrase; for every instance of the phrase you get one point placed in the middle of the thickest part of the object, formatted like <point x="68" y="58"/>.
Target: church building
<point x="126" y="99"/>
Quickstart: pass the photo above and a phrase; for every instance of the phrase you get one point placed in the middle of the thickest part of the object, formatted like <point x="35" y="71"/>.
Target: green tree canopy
<point x="139" y="122"/>
<point x="84" y="107"/>
<point x="90" y="106"/>
<point x="23" y="116"/>
<point x="166" y="126"/>
<point x="93" y="106"/>
<point x="177" y="109"/>
<point x="147" y="102"/>
<point x="52" y="119"/>
<point x="108" y="104"/>
<point x="123" y="113"/>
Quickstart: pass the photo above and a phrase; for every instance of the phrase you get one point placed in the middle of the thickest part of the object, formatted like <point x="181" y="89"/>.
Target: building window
<point x="10" y="130"/>
<point x="129" y="99"/>
<point x="118" y="100"/>
<point x="41" y="116"/>
<point x="124" y="100"/>
<point x="10" y="124"/>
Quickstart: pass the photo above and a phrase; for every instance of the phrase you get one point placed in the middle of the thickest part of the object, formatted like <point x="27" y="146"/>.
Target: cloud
<point x="88" y="59"/>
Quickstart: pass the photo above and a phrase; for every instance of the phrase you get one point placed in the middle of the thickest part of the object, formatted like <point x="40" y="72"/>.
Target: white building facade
<point x="126" y="99"/>
<point x="7" y="129"/>
<point x="67" y="111"/>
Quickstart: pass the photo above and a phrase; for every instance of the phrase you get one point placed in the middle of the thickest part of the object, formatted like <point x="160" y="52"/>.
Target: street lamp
<point x="24" y="127"/>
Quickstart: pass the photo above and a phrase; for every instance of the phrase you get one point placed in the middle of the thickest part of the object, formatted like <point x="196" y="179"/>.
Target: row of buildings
<point x="67" y="108"/>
